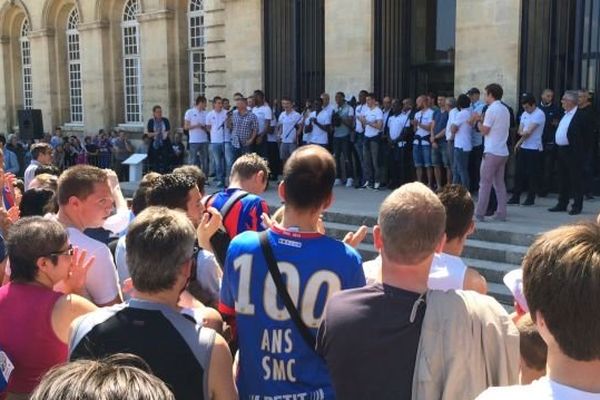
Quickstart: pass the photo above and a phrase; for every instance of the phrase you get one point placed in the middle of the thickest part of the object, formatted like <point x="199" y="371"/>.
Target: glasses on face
<point x="68" y="252"/>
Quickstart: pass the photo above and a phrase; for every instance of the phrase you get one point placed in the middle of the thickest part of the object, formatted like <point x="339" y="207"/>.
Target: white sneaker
<point x="349" y="183"/>
<point x="366" y="185"/>
<point x="377" y="186"/>
<point x="338" y="182"/>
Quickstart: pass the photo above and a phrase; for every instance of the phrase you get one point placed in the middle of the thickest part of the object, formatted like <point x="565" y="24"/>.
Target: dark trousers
<point x="273" y="158"/>
<point x="570" y="178"/>
<point x="475" y="158"/>
<point x="400" y="167"/>
<point x="343" y="157"/>
<point x="548" y="169"/>
<point x="527" y="173"/>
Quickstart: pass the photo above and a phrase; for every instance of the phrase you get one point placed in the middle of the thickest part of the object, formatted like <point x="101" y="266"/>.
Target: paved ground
<point x="535" y="219"/>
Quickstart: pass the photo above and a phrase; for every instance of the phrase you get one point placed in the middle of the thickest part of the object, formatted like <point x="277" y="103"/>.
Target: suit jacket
<point x="576" y="134"/>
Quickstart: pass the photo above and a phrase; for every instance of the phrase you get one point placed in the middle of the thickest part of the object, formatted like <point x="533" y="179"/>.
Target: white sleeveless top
<point x="447" y="272"/>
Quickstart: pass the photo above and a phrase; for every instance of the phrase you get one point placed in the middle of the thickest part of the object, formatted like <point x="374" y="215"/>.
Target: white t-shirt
<point x="318" y="135"/>
<point x="121" y="261"/>
<point x="372" y="115"/>
<point x="101" y="282"/>
<point x="534" y="141"/>
<point x="542" y="389"/>
<point x="396" y="124"/>
<point x="451" y="116"/>
<point x="216" y="120"/>
<point x="195" y="117"/>
<point x="425" y="117"/>
<point x="288" y="122"/>
<point x="462" y="137"/>
<point x="263" y="114"/>
<point x="360" y="109"/>
<point x="497" y="117"/>
<point x="447" y="273"/>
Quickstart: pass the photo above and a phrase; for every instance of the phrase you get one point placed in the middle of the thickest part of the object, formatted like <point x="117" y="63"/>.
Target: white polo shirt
<point x="263" y="113"/>
<point x="396" y="124"/>
<point x="288" y="122"/>
<point x="195" y="117"/>
<point x="425" y="117"/>
<point x="538" y="118"/>
<point x="216" y="120"/>
<point x="561" y="137"/>
<point x="372" y="115"/>
<point x="462" y="137"/>
<point x="318" y="135"/>
<point x="497" y="118"/>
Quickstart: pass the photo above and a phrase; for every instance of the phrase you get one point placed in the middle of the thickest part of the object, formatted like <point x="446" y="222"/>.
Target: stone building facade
<point x="91" y="64"/>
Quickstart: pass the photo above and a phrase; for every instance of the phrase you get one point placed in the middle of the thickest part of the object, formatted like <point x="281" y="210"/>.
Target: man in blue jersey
<point x="276" y="341"/>
<point x="240" y="204"/>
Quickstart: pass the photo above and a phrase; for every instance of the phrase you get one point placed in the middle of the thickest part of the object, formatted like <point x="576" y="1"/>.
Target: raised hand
<point x="75" y="280"/>
<point x="353" y="239"/>
<point x="210" y="223"/>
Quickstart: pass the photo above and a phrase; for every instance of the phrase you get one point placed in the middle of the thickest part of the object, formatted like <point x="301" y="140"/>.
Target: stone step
<point x="367" y="251"/>
<point x="339" y="231"/>
<point x="496" y="252"/>
<point x="500" y="292"/>
<point x="507" y="236"/>
<point x="492" y="271"/>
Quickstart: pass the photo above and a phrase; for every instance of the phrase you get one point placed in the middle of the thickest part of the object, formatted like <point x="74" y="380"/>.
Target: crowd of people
<point x="184" y="294"/>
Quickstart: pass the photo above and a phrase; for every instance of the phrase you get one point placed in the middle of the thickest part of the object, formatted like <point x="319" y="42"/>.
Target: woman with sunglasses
<point x="34" y="317"/>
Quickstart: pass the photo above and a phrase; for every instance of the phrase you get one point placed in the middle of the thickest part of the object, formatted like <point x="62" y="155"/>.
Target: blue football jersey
<point x="274" y="360"/>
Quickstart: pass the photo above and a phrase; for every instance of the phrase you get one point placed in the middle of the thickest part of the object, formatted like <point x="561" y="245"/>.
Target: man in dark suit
<point x="570" y="142"/>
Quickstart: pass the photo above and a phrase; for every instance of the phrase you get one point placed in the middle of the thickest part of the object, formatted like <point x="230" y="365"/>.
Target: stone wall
<point x="488" y="45"/>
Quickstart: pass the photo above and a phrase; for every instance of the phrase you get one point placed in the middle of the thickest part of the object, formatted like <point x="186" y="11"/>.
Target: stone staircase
<point x="493" y="252"/>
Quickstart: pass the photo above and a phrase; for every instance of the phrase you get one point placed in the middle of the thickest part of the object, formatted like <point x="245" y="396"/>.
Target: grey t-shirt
<point x="369" y="342"/>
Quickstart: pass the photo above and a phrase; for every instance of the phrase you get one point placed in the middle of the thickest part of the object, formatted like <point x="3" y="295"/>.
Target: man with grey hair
<point x="193" y="360"/>
<point x="570" y="142"/>
<point x="383" y="341"/>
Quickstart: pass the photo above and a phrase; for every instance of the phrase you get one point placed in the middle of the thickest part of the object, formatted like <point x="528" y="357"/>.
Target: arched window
<point x="131" y="63"/>
<point x="74" y="66"/>
<point x="26" y="65"/>
<point x="196" y="49"/>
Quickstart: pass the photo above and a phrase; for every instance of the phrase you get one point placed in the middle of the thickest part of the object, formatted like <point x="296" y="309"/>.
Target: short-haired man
<point x="41" y="154"/>
<point x="85" y="200"/>
<point x="476" y="155"/>
<point x="553" y="115"/>
<point x="570" y="143"/>
<point x="195" y="124"/>
<point x="244" y="128"/>
<point x="494" y="129"/>
<point x="320" y="122"/>
<point x="400" y="130"/>
<point x="529" y="149"/>
<point x="215" y="123"/>
<point x="372" y="120"/>
<point x="383" y="341"/>
<point x="560" y="276"/>
<point x="264" y="115"/>
<point x="343" y="125"/>
<point x="534" y="351"/>
<point x="277" y="358"/>
<point x="241" y="204"/>
<point x="289" y="128"/>
<point x="192" y="360"/>
<point x="439" y="144"/>
<point x="422" y="123"/>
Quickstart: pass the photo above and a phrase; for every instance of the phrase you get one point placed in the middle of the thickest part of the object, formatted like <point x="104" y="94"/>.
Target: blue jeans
<point x="460" y="167"/>
<point x="229" y="158"/>
<point x="199" y="156"/>
<point x="218" y="152"/>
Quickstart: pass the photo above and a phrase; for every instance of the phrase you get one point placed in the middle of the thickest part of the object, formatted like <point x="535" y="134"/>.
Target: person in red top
<point x="240" y="204"/>
<point x="35" y="338"/>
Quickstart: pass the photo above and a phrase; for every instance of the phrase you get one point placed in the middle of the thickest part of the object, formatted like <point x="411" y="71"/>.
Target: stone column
<point x="488" y="45"/>
<point x="97" y="96"/>
<point x="5" y="118"/>
<point x="348" y="46"/>
<point x="43" y="68"/>
<point x="214" y="49"/>
<point x="244" y="46"/>
<point x="158" y="58"/>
